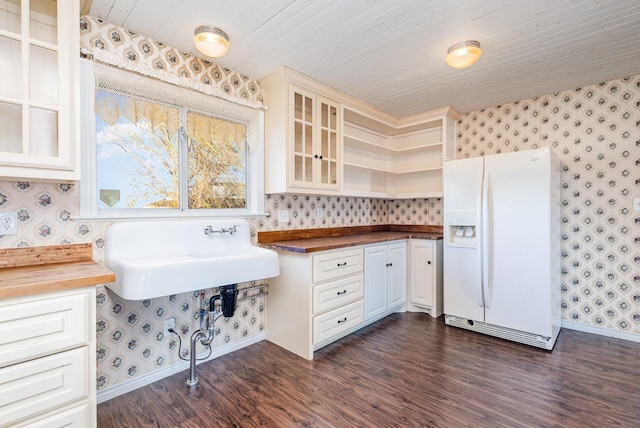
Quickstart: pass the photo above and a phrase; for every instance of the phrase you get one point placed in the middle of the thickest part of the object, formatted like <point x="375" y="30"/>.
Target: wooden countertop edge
<point x="310" y="245"/>
<point x="44" y="278"/>
<point x="327" y="232"/>
<point x="29" y="256"/>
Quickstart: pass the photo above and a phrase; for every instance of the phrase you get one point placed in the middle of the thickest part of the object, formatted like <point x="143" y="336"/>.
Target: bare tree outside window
<point x="217" y="162"/>
<point x="139" y="150"/>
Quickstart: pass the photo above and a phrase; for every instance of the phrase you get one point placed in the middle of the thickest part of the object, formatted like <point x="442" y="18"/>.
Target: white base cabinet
<point x="47" y="359"/>
<point x="316" y="299"/>
<point x="385" y="279"/>
<point x="321" y="297"/>
<point x="425" y="278"/>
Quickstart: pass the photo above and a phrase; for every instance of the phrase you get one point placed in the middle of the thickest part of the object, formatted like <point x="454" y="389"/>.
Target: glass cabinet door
<point x="38" y="53"/>
<point x="329" y="147"/>
<point x="303" y="138"/>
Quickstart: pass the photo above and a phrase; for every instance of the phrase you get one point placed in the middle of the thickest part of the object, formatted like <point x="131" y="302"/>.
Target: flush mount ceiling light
<point x="463" y="54"/>
<point x="211" y="41"/>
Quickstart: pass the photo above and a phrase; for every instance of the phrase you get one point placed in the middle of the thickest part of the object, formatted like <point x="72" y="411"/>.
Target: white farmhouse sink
<point x="159" y="258"/>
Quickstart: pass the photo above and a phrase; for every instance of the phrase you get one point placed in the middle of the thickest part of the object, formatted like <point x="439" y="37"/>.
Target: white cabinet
<point x="425" y="278"/>
<point x="321" y="297"/>
<point x="47" y="359"/>
<point x="394" y="159"/>
<point x="385" y="278"/>
<point x="303" y="130"/>
<point x="39" y="89"/>
<point x="322" y="141"/>
<point x="316" y="299"/>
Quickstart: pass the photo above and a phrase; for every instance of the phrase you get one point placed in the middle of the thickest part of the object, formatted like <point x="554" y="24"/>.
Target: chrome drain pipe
<point x="192" y="382"/>
<point x="204" y="338"/>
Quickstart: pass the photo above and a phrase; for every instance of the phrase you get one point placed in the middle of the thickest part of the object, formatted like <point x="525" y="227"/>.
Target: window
<point x="161" y="150"/>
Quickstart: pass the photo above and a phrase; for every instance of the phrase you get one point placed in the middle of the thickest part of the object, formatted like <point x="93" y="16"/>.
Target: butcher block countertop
<point x="312" y="240"/>
<point x="34" y="270"/>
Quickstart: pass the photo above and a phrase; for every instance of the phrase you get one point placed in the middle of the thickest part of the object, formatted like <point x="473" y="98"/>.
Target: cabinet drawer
<point x="32" y="328"/>
<point x="40" y="385"/>
<point x="79" y="416"/>
<point x="337" y="293"/>
<point x="336" y="264"/>
<point x="338" y="321"/>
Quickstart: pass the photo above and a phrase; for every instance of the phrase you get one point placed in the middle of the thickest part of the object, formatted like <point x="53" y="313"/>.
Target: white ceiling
<point x="390" y="53"/>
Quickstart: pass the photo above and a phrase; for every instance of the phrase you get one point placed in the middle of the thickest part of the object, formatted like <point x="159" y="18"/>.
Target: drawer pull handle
<point x="341" y="292"/>
<point x="389" y="264"/>
<point x="342" y="264"/>
<point x="341" y="321"/>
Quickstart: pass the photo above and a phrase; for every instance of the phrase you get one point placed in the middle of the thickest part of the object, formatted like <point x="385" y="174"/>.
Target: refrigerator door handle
<point x="487" y="238"/>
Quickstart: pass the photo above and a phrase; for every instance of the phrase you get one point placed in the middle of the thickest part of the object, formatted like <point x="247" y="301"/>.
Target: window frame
<point x="253" y="118"/>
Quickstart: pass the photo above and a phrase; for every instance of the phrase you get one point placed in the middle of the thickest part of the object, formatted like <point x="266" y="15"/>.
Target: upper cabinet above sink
<point x="159" y="258"/>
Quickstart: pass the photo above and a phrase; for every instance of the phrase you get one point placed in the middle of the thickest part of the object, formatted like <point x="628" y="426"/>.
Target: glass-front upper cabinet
<point x="39" y="43"/>
<point x="303" y="135"/>
<point x="316" y="135"/>
<point x="328" y="147"/>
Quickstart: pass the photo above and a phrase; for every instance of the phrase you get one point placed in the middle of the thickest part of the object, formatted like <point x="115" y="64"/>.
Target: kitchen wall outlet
<point x="283" y="216"/>
<point x="169" y="323"/>
<point x="636" y="204"/>
<point x="319" y="212"/>
<point x="9" y="224"/>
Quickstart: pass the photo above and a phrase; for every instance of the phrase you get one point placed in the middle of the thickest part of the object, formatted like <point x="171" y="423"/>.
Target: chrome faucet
<point x="231" y="230"/>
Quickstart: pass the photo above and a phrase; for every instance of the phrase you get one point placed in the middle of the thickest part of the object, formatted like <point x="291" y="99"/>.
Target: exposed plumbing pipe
<point x="205" y="339"/>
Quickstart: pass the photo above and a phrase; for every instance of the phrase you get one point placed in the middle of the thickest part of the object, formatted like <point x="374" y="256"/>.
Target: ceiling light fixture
<point x="211" y="41"/>
<point x="462" y="55"/>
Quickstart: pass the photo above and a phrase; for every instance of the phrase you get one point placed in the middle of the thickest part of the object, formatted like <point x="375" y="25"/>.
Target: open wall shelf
<point x="401" y="160"/>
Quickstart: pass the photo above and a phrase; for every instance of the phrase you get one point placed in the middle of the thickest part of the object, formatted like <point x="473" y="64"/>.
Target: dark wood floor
<point x="406" y="370"/>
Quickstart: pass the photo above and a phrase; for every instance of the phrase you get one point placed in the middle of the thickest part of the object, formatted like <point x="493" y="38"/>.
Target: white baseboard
<point x="138" y="382"/>
<point x="601" y="331"/>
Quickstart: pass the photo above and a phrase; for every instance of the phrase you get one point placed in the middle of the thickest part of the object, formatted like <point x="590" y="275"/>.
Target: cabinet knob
<point x="315" y="156"/>
<point x="429" y="262"/>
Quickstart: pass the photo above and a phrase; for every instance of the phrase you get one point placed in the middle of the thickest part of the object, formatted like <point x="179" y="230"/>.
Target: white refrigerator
<point x="502" y="245"/>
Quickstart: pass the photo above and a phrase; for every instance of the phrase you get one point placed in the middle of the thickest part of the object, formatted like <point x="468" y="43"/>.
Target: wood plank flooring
<point x="405" y="370"/>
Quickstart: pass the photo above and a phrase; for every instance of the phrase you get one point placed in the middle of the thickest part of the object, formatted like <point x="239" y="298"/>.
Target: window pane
<point x="217" y="162"/>
<point x="11" y="125"/>
<point x="137" y="153"/>
<point x="43" y="17"/>
<point x="43" y="132"/>
<point x="10" y="15"/>
<point x="43" y="79"/>
<point x="11" y="66"/>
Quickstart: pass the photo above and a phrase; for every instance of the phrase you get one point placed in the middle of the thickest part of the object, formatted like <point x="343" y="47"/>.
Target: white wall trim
<point x="138" y="382"/>
<point x="601" y="331"/>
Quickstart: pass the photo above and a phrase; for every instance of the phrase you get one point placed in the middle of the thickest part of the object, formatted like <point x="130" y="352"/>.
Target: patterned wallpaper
<point x="595" y="130"/>
<point x="596" y="133"/>
<point x="131" y="50"/>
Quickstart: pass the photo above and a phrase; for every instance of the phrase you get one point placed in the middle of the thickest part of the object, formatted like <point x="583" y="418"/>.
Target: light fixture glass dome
<point x="463" y="54"/>
<point x="211" y="41"/>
